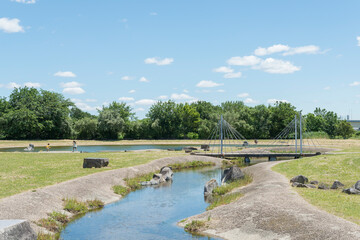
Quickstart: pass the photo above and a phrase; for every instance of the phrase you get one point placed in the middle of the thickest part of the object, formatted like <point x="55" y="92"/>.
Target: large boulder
<point x="167" y="173"/>
<point x="351" y="191"/>
<point x="16" y="230"/>
<point x="210" y="186"/>
<point x="337" y="184"/>
<point x="231" y="174"/>
<point x="357" y="185"/>
<point x="95" y="162"/>
<point x="323" y="186"/>
<point x="299" y="179"/>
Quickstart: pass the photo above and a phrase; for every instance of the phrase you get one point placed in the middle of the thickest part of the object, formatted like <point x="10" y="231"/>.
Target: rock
<point x="336" y="185"/>
<point x="16" y="229"/>
<point x="167" y="173"/>
<point x="159" y="177"/>
<point x="299" y="179"/>
<point x="314" y="182"/>
<point x="310" y="186"/>
<point x="351" y="191"/>
<point x="296" y="184"/>
<point x="231" y="174"/>
<point x="154" y="181"/>
<point x="145" y="183"/>
<point x="95" y="162"/>
<point x="323" y="186"/>
<point x="210" y="186"/>
<point x="357" y="185"/>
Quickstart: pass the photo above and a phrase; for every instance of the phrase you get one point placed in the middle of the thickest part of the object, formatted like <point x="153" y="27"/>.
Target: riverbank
<point x="36" y="204"/>
<point x="271" y="209"/>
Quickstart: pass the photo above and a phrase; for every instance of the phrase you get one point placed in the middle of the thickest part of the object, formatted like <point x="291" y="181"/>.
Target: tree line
<point x="29" y="113"/>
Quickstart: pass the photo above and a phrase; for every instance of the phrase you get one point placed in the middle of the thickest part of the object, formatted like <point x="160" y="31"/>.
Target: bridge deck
<point x="295" y="155"/>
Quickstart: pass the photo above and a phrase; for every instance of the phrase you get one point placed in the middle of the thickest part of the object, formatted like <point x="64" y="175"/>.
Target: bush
<point x="50" y="224"/>
<point x="60" y="217"/>
<point x="123" y="191"/>
<point x="192" y="135"/>
<point x="95" y="204"/>
<point x="194" y="226"/>
<point x="74" y="206"/>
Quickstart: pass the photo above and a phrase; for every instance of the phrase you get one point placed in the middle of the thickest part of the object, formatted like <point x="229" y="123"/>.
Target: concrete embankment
<point x="16" y="230"/>
<point x="34" y="205"/>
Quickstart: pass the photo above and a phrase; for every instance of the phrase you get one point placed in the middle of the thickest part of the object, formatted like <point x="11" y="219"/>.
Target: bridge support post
<point x="272" y="158"/>
<point x="247" y="160"/>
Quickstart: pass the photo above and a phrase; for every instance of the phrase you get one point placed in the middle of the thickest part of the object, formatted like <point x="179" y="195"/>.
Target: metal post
<point x="221" y="134"/>
<point x="301" y="137"/>
<point x="296" y="133"/>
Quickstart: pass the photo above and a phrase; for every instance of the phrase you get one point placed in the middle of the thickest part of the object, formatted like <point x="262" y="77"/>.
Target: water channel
<point x="148" y="213"/>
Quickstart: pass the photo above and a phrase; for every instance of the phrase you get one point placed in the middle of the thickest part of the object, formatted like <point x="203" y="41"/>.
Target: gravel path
<point x="35" y="205"/>
<point x="270" y="209"/>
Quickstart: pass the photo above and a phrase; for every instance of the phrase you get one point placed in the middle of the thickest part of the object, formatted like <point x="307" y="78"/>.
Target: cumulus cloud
<point x="32" y="85"/>
<point x="10" y="25"/>
<point x="159" y="61"/>
<point x="83" y="106"/>
<point x="249" y="101"/>
<point x="25" y="1"/>
<point x="208" y="84"/>
<point x="126" y="78"/>
<point x="70" y="84"/>
<point x="163" y="97"/>
<point x="271" y="65"/>
<point x="12" y="85"/>
<point x="243" y="95"/>
<point x="139" y="109"/>
<point x="74" y="90"/>
<point x="358" y="39"/>
<point x="273" y="101"/>
<point x="181" y="96"/>
<point x="354" y="84"/>
<point x="223" y="69"/>
<point x="145" y="102"/>
<point x="65" y="74"/>
<point x="310" y="49"/>
<point x="270" y="50"/>
<point x="220" y="90"/>
<point x="244" y="61"/>
<point x="132" y="91"/>
<point x="126" y="99"/>
<point x="143" y="79"/>
<point x="233" y="75"/>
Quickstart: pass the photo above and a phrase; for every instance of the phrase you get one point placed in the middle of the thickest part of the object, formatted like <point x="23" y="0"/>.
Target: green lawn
<point x="24" y="171"/>
<point x="326" y="169"/>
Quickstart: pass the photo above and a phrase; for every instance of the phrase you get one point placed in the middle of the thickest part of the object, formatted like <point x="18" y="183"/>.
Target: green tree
<point x="344" y="129"/>
<point x="86" y="128"/>
<point x="280" y="116"/>
<point x="190" y="119"/>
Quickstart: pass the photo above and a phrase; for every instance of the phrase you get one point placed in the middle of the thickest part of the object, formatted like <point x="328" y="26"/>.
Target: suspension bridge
<point x="226" y="142"/>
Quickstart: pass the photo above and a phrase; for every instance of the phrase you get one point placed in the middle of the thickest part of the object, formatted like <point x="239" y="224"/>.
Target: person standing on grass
<point x="48" y="147"/>
<point x="74" y="146"/>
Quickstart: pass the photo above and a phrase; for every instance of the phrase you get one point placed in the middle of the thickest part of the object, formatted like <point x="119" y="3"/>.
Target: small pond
<point x="148" y="213"/>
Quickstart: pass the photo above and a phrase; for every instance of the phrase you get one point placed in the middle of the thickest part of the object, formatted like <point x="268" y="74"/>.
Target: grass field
<point x="327" y="169"/>
<point x="25" y="171"/>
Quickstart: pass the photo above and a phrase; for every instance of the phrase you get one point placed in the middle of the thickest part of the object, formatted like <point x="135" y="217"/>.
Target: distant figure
<point x="255" y="141"/>
<point x="29" y="148"/>
<point x="74" y="146"/>
<point x="48" y="147"/>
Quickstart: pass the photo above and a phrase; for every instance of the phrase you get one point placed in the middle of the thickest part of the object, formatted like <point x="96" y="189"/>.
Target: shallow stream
<point x="148" y="213"/>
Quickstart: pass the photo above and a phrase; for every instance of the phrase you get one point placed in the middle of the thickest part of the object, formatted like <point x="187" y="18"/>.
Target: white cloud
<point x="233" y="75"/>
<point x="25" y="1"/>
<point x="208" y="84"/>
<point x="126" y="99"/>
<point x="273" y="101"/>
<point x="270" y="50"/>
<point x="12" y="85"/>
<point x="220" y="90"/>
<point x="143" y="79"/>
<point x="310" y="49"/>
<point x="145" y="102"/>
<point x="85" y="107"/>
<point x="32" y="85"/>
<point x="271" y="65"/>
<point x="327" y="88"/>
<point x="244" y="61"/>
<point x="243" y="95"/>
<point x="10" y="25"/>
<point x="158" y="61"/>
<point x="64" y="74"/>
<point x="90" y="100"/>
<point x="181" y="96"/>
<point x="358" y="39"/>
<point x="223" y="69"/>
<point x="132" y="91"/>
<point x="70" y="84"/>
<point x="249" y="101"/>
<point x="126" y="78"/>
<point x="185" y="91"/>
<point x="74" y="90"/>
<point x="354" y="84"/>
<point x="163" y="97"/>
<point x="153" y="14"/>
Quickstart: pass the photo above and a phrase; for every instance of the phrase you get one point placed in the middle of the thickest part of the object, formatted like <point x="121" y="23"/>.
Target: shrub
<point x="123" y="191"/>
<point x="50" y="224"/>
<point x="95" y="204"/>
<point x="194" y="226"/>
<point x="60" y="217"/>
<point x="74" y="206"/>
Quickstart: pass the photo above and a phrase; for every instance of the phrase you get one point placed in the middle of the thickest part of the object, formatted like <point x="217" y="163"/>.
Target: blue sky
<point x="96" y="52"/>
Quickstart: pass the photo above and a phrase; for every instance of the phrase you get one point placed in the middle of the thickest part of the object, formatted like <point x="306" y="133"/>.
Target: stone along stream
<point x="148" y="213"/>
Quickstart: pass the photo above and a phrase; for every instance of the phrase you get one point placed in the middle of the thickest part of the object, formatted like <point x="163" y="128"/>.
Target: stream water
<point x="148" y="213"/>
